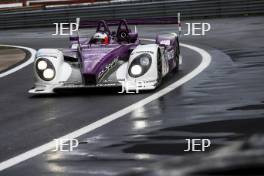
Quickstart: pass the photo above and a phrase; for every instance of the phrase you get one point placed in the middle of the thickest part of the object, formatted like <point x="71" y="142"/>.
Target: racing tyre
<point x="177" y="60"/>
<point x="177" y="57"/>
<point x="159" y="69"/>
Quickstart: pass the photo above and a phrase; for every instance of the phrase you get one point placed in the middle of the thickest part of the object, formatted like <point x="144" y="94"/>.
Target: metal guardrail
<point x="133" y="10"/>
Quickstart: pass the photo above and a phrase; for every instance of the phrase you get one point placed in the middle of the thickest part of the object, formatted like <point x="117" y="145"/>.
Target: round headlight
<point x="140" y="65"/>
<point x="136" y="70"/>
<point x="48" y="73"/>
<point x="42" y="65"/>
<point x="45" y="69"/>
<point x="144" y="61"/>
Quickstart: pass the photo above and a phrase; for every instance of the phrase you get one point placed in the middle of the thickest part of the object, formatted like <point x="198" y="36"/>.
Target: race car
<point x="107" y="59"/>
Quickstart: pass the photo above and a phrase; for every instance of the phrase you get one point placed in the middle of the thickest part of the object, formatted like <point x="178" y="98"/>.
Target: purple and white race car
<point x="107" y="59"/>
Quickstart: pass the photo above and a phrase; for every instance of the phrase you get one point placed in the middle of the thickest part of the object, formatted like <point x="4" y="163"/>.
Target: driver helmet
<point x="101" y="38"/>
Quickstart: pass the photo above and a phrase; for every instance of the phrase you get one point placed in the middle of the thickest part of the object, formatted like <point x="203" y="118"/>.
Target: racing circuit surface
<point x="224" y="103"/>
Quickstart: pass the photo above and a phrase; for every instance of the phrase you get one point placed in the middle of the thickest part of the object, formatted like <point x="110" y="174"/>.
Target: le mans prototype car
<point x="107" y="59"/>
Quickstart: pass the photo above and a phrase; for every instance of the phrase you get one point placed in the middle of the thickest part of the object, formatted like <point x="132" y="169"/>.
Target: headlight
<point x="140" y="65"/>
<point x="42" y="65"/>
<point x="136" y="70"/>
<point x="45" y="69"/>
<point x="48" y="73"/>
<point x="144" y="61"/>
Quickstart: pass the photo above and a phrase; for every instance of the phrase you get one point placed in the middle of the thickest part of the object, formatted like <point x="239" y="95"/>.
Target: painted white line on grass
<point x="206" y="59"/>
<point x="22" y="65"/>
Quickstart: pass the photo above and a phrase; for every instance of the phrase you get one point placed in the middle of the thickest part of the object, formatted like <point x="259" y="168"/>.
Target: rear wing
<point x="138" y="21"/>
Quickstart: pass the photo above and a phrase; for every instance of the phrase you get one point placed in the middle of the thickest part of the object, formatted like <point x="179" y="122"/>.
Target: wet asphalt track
<point x="224" y="103"/>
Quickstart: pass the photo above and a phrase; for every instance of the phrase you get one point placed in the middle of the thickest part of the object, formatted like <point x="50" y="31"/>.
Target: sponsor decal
<point x="107" y="68"/>
<point x="165" y="42"/>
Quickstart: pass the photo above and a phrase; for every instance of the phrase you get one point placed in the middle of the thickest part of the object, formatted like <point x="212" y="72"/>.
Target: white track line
<point x="206" y="59"/>
<point x="22" y="65"/>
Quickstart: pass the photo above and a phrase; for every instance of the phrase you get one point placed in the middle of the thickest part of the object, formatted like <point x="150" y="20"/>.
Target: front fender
<point x="151" y="74"/>
<point x="62" y="69"/>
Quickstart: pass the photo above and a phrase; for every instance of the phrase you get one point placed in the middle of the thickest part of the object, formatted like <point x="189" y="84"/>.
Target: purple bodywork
<point x="171" y="45"/>
<point x="94" y="58"/>
<point x="97" y="60"/>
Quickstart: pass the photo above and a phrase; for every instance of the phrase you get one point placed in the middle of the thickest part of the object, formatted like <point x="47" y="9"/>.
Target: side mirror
<point x="74" y="40"/>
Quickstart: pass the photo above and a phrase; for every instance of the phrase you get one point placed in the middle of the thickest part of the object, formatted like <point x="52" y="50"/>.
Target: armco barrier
<point x="133" y="10"/>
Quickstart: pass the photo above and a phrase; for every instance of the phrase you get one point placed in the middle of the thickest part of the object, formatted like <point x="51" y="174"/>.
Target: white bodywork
<point x="64" y="70"/>
<point x="147" y="81"/>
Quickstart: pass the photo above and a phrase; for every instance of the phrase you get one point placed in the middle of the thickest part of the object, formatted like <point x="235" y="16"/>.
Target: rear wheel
<point x="177" y="57"/>
<point x="159" y="68"/>
<point x="177" y="60"/>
